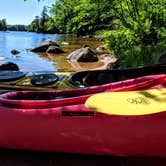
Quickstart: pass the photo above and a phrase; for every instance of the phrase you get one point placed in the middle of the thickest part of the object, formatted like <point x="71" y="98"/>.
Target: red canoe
<point x="67" y="125"/>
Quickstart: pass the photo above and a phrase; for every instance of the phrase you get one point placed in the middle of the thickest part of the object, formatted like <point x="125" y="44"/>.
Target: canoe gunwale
<point x="78" y="96"/>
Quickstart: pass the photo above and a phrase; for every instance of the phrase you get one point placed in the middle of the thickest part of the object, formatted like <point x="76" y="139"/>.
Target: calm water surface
<point x="29" y="61"/>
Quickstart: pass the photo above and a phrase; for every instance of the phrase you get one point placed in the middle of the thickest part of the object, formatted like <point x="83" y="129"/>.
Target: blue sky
<point x="20" y="12"/>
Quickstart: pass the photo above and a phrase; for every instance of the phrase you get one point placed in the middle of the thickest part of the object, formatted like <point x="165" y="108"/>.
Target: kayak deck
<point x="71" y="80"/>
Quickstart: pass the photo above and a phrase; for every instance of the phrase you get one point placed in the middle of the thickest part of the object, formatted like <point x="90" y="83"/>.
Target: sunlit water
<point x="29" y="61"/>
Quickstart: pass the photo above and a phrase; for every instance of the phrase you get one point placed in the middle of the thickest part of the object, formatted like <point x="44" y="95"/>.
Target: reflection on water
<point x="29" y="61"/>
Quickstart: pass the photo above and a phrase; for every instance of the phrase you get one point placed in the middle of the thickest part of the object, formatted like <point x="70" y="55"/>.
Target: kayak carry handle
<point x="77" y="113"/>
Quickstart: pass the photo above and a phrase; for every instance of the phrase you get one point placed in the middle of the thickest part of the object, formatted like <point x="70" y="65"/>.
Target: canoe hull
<point x="95" y="134"/>
<point x="66" y="125"/>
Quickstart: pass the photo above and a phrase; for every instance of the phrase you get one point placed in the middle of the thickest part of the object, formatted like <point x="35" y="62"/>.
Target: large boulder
<point x="9" y="66"/>
<point x="54" y="49"/>
<point x="43" y="47"/>
<point x="84" y="54"/>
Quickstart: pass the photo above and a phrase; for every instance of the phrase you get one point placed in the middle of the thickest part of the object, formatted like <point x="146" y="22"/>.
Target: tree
<point x="39" y="24"/>
<point x="80" y="16"/>
<point x="43" y="19"/>
<point x="142" y="30"/>
<point x="35" y="25"/>
<point x="17" y="28"/>
<point x="3" y="25"/>
<point x="144" y="17"/>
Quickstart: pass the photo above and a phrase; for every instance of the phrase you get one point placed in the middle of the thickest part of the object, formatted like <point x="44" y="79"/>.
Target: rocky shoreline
<point x="83" y="54"/>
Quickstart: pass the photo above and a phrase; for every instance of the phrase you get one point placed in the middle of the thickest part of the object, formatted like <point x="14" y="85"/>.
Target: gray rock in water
<point x="84" y="54"/>
<point x="113" y="65"/>
<point x="54" y="49"/>
<point x="101" y="49"/>
<point x="9" y="66"/>
<point x="14" y="52"/>
<point x="44" y="46"/>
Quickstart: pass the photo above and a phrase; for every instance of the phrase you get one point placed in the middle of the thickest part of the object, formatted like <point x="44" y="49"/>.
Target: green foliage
<point x="62" y="13"/>
<point x="3" y="25"/>
<point x="140" y="56"/>
<point x="39" y="24"/>
<point x="80" y="16"/>
<point x="141" y="33"/>
<point x="16" y="27"/>
<point x="144" y="17"/>
<point x="120" y="40"/>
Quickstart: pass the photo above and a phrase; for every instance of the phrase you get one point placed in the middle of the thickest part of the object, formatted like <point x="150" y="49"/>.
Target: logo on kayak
<point x="138" y="100"/>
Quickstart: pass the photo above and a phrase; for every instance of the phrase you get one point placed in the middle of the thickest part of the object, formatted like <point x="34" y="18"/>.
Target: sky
<point x="20" y="12"/>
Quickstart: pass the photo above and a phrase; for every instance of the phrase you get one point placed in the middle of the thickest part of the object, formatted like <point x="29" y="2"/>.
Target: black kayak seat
<point x="44" y="79"/>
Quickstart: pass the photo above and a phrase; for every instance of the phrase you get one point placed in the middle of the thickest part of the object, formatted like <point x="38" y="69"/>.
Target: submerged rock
<point x="14" y="52"/>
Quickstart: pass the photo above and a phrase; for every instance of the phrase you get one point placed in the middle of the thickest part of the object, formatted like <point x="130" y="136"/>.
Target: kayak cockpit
<point x="9" y="75"/>
<point x="92" y="78"/>
<point x="100" y="77"/>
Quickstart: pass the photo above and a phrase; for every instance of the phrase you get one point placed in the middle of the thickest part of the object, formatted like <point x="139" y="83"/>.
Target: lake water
<point x="29" y="61"/>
